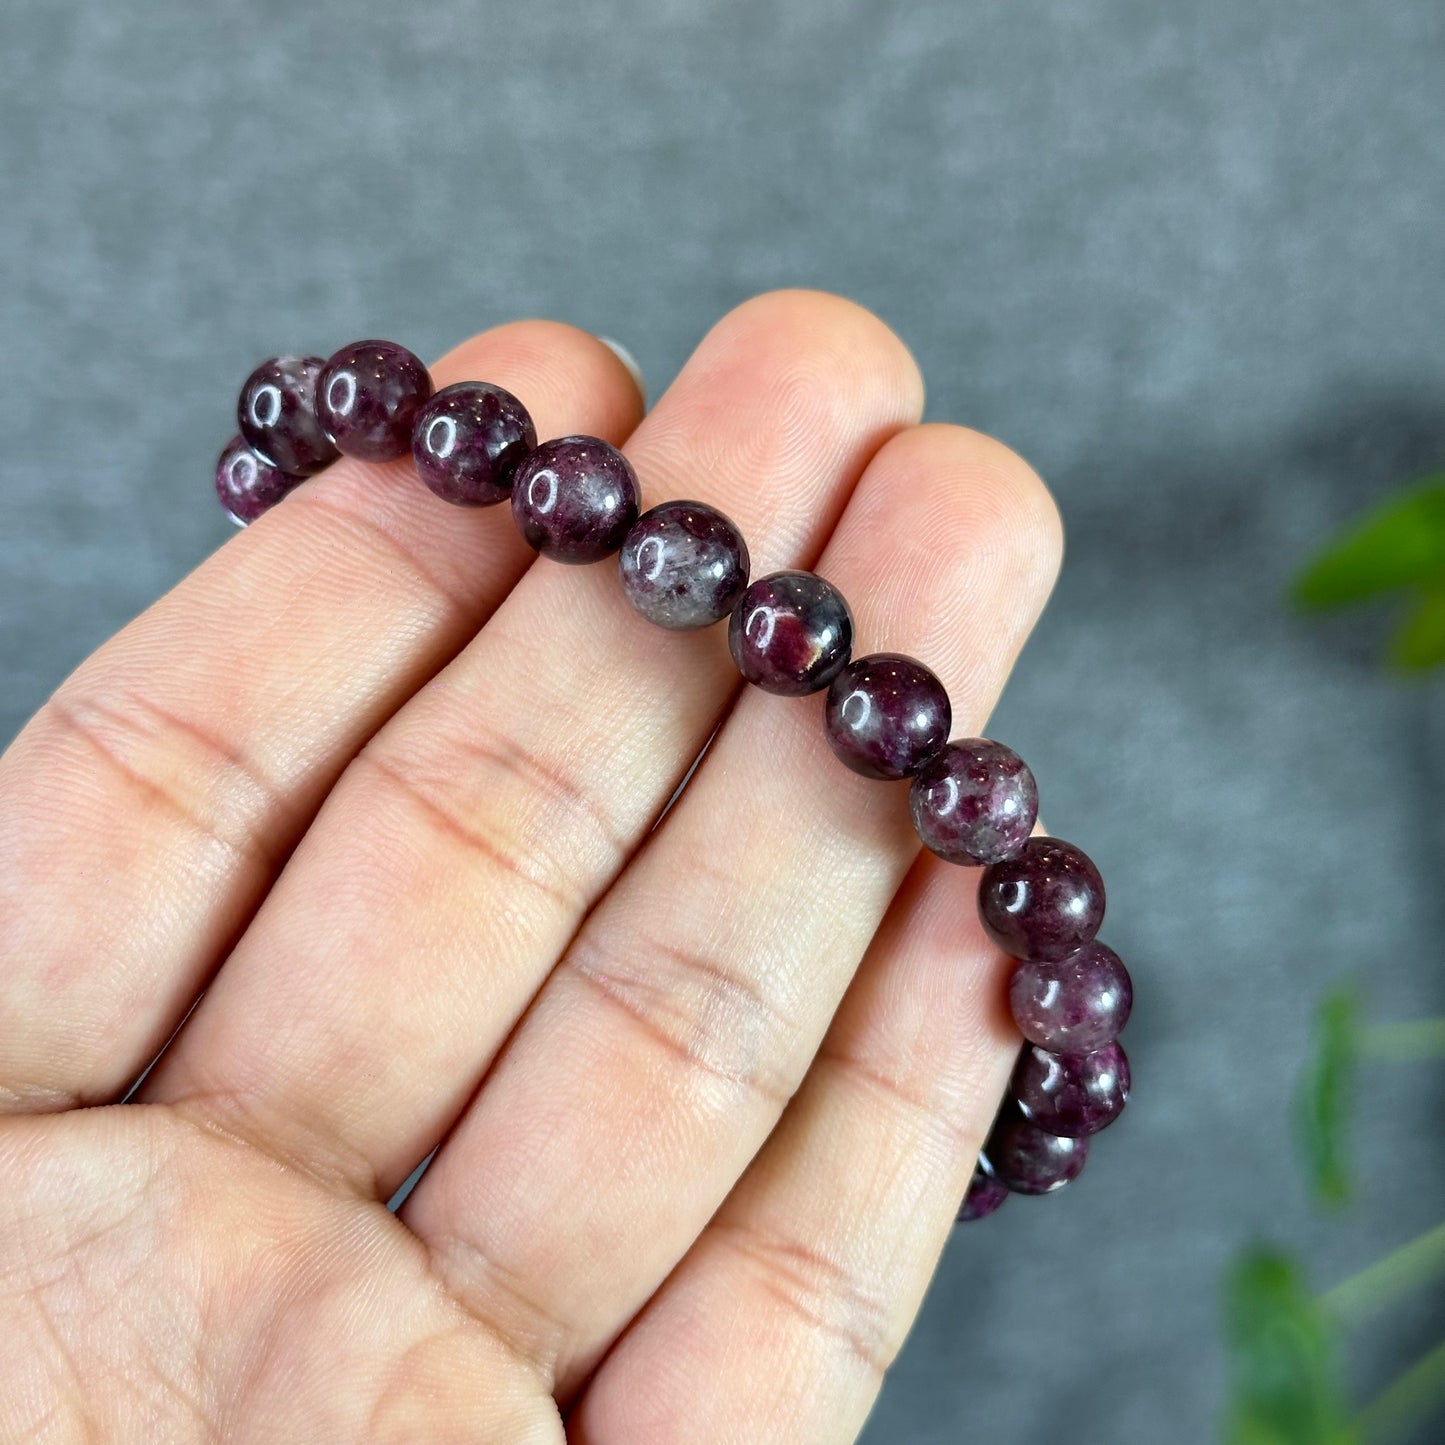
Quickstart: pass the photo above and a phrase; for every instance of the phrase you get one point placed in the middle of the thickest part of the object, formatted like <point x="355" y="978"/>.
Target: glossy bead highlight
<point x="886" y="715"/>
<point x="1072" y="1094"/>
<point x="247" y="484"/>
<point x="1072" y="1005"/>
<point x="368" y="396"/>
<point x="276" y="413"/>
<point x="683" y="565"/>
<point x="1044" y="903"/>
<point x="574" y="499"/>
<point x="791" y="633"/>
<point x="468" y="441"/>
<point x="975" y="802"/>
<point x="1026" y="1160"/>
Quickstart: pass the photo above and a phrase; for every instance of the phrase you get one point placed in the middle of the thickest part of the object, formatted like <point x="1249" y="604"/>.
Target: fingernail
<point x="630" y="362"/>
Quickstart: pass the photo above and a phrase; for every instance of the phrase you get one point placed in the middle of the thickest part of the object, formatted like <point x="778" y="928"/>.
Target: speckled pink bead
<point x="791" y="633"/>
<point x="468" y="441"/>
<point x="1043" y="903"/>
<point x="886" y="715"/>
<point x="276" y="413"/>
<point x="1026" y="1160"/>
<point x="368" y="396"/>
<point x="1072" y="1005"/>
<point x="975" y="802"/>
<point x="985" y="1196"/>
<point x="1072" y="1094"/>
<point x="247" y="484"/>
<point x="575" y="498"/>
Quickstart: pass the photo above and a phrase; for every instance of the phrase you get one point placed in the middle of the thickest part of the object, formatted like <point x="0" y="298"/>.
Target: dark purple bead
<point x="367" y="398"/>
<point x="1043" y="903"/>
<point x="985" y="1194"/>
<point x="1072" y="1094"/>
<point x="683" y="565"/>
<point x="277" y="415"/>
<point x="247" y="484"/>
<point x="886" y="715"/>
<point x="574" y="499"/>
<point x="467" y="441"/>
<point x="1072" y="1005"/>
<point x="1026" y="1160"/>
<point x="791" y="633"/>
<point x="975" y="802"/>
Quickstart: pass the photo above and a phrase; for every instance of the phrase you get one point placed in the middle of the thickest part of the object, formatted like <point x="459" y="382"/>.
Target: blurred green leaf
<point x="1283" y="1374"/>
<point x="1420" y="642"/>
<point x="1325" y="1095"/>
<point x="1399" y="544"/>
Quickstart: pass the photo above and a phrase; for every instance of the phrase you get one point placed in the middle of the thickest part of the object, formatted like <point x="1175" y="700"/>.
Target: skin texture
<point x="392" y="818"/>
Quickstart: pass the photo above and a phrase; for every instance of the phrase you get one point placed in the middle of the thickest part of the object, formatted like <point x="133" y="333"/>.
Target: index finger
<point x="151" y="802"/>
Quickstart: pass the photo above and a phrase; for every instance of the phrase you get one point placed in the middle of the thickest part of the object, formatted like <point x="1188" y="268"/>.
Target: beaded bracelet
<point x="684" y="565"/>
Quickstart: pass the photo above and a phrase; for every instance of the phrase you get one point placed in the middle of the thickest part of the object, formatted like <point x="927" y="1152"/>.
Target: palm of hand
<point x="170" y="1283"/>
<point x="706" y="1094"/>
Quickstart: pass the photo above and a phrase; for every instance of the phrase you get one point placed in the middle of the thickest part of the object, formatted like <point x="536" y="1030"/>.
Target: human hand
<point x="386" y="792"/>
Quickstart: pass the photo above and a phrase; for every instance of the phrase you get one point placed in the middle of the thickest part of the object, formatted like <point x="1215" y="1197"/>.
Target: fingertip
<point x="556" y="370"/>
<point x="856" y="342"/>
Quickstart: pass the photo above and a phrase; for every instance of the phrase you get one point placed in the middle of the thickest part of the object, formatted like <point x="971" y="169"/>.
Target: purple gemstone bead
<point x="1026" y="1160"/>
<point x="683" y="565"/>
<point x="1072" y="1005"/>
<point x="1043" y="903"/>
<point x="1072" y="1094"/>
<point x="247" y="484"/>
<point x="574" y="499"/>
<point x="277" y="415"/>
<point x="975" y="802"/>
<point x="886" y="715"/>
<point x="467" y="441"/>
<point x="791" y="633"/>
<point x="985" y="1194"/>
<point x="367" y="398"/>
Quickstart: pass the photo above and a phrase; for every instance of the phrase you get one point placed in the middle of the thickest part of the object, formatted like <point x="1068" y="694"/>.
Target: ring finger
<point x="453" y="864"/>
<point x="685" y="1014"/>
<point x="149" y="805"/>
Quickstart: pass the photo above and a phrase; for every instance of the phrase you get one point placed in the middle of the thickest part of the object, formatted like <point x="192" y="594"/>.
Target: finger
<point x="785" y="1314"/>
<point x="455" y="861"/>
<point x="661" y="1052"/>
<point x="150" y="803"/>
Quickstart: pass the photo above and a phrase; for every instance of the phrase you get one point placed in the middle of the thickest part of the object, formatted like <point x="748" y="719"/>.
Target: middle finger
<point x="461" y="850"/>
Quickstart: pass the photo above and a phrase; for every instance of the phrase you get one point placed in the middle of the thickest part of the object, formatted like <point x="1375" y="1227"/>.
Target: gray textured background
<point x="1187" y="259"/>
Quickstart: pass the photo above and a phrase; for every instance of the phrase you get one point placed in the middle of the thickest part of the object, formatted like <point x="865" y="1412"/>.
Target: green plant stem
<point x="1390" y="1278"/>
<point x="1405" y="1042"/>
<point x="1405" y="1399"/>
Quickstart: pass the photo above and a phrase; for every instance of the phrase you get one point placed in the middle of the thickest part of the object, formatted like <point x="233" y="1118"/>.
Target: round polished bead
<point x="574" y="499"/>
<point x="1072" y="1005"/>
<point x="1072" y="1094"/>
<point x="791" y="633"/>
<point x="985" y="1194"/>
<point x="886" y="715"/>
<point x="368" y="396"/>
<point x="247" y="484"/>
<point x="276" y="413"/>
<point x="1026" y="1160"/>
<point x="1044" y="902"/>
<point x="975" y="802"/>
<point x="683" y="565"/>
<point x="468" y="440"/>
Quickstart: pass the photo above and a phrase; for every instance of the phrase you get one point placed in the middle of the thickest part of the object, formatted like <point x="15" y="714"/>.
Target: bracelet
<point x="683" y="565"/>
